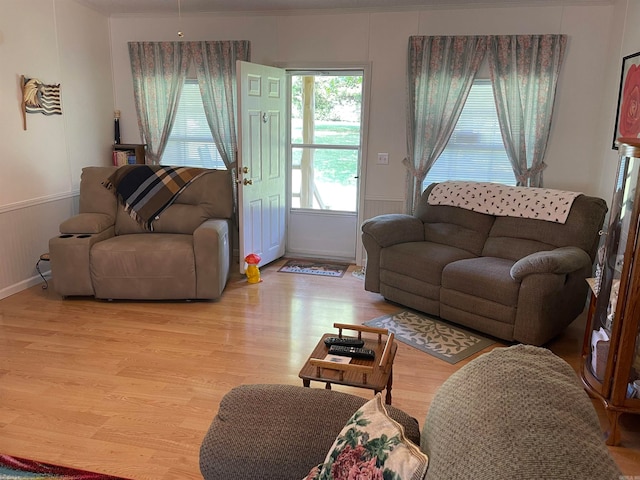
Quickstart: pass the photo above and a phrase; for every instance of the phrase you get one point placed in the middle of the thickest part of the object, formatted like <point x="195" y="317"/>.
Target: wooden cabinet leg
<point x="613" y="435"/>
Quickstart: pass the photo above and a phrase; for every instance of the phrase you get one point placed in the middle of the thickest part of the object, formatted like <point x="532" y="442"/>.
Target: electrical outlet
<point x="383" y="159"/>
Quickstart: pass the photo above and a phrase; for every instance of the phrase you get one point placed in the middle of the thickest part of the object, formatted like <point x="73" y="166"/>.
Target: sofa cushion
<point x="276" y="432"/>
<point x="125" y="224"/>
<point x="213" y="192"/>
<point x="478" y="314"/>
<point x="514" y="238"/>
<point x="455" y="236"/>
<point x="406" y="291"/>
<point x="87" y="223"/>
<point x="372" y="443"/>
<point x="453" y="226"/>
<point x="513" y="248"/>
<point x="515" y="413"/>
<point x="421" y="260"/>
<point x="209" y="196"/>
<point x="146" y="265"/>
<point x="94" y="198"/>
<point x="483" y="277"/>
<point x="180" y="218"/>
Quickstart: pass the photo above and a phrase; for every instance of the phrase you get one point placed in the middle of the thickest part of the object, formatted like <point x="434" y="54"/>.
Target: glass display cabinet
<point x="610" y="366"/>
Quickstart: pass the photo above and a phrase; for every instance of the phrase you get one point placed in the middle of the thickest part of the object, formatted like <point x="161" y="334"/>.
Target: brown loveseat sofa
<point x="518" y="279"/>
<point x="513" y="413"/>
<point x="103" y="252"/>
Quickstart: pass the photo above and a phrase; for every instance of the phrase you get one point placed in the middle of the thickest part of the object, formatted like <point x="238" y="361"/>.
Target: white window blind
<point x="190" y="142"/>
<point x="475" y="150"/>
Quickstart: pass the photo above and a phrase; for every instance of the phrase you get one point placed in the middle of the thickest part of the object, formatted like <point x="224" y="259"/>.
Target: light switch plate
<point x="383" y="159"/>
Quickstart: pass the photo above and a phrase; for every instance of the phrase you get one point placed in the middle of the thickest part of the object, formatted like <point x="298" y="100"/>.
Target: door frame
<point x="366" y="68"/>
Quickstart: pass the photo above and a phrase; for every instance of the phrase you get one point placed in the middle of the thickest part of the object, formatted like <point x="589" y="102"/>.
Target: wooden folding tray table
<point x="376" y="374"/>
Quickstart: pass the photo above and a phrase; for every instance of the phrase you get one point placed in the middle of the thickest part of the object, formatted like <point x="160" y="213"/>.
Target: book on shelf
<point x="123" y="157"/>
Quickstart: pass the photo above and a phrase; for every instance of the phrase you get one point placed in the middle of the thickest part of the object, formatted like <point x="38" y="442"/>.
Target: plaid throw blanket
<point x="146" y="190"/>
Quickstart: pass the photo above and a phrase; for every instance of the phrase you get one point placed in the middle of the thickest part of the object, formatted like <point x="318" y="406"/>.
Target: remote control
<point x="344" y="341"/>
<point x="354" y="352"/>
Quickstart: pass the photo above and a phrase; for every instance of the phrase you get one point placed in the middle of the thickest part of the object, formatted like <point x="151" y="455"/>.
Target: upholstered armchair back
<point x="209" y="196"/>
<point x="94" y="197"/>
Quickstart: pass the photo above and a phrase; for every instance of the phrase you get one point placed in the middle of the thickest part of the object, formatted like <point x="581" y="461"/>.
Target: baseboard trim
<point x="317" y="255"/>
<point x="23" y="285"/>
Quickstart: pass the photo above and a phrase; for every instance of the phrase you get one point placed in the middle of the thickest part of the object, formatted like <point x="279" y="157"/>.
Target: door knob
<point x="247" y="182"/>
<point x="245" y="169"/>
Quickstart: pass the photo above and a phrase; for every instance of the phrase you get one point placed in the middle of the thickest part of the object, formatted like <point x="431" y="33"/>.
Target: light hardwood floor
<point x="130" y="388"/>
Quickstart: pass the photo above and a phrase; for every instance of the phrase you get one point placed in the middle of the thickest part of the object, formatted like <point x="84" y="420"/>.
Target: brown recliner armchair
<point x="104" y="252"/>
<point x="517" y="412"/>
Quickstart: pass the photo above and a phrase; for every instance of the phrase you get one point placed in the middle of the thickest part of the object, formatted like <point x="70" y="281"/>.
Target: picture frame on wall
<point x="628" y="112"/>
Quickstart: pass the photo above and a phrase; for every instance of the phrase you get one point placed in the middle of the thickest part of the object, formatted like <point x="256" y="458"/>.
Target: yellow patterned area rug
<point x="432" y="335"/>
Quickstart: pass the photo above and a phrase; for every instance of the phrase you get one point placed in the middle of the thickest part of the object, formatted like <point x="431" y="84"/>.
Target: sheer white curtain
<point x="441" y="71"/>
<point x="159" y="70"/>
<point x="524" y="74"/>
<point x="215" y="64"/>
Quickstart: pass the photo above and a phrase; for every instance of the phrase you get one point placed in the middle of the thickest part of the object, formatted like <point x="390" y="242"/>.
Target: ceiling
<point x="170" y="7"/>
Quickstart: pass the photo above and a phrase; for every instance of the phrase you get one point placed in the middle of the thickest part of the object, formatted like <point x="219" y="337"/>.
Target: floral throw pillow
<point x="313" y="474"/>
<point x="372" y="446"/>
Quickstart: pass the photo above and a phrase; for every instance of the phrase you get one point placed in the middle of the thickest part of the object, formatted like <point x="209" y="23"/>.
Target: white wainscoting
<point x="380" y="207"/>
<point x="25" y="230"/>
<point x="321" y="234"/>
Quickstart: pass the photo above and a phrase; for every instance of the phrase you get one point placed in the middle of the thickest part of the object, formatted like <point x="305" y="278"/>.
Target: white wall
<point x="56" y="41"/>
<point x="624" y="40"/>
<point x="29" y="157"/>
<point x="70" y="44"/>
<point x="381" y="38"/>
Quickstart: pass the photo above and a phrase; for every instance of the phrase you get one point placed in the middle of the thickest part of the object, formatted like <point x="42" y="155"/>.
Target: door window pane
<point x="331" y="183"/>
<point x="326" y="116"/>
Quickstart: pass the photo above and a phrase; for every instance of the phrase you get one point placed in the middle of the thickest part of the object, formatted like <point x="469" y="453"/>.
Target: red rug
<point x="15" y="468"/>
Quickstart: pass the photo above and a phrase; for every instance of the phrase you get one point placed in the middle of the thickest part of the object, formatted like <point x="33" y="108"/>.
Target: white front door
<point x="261" y="161"/>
